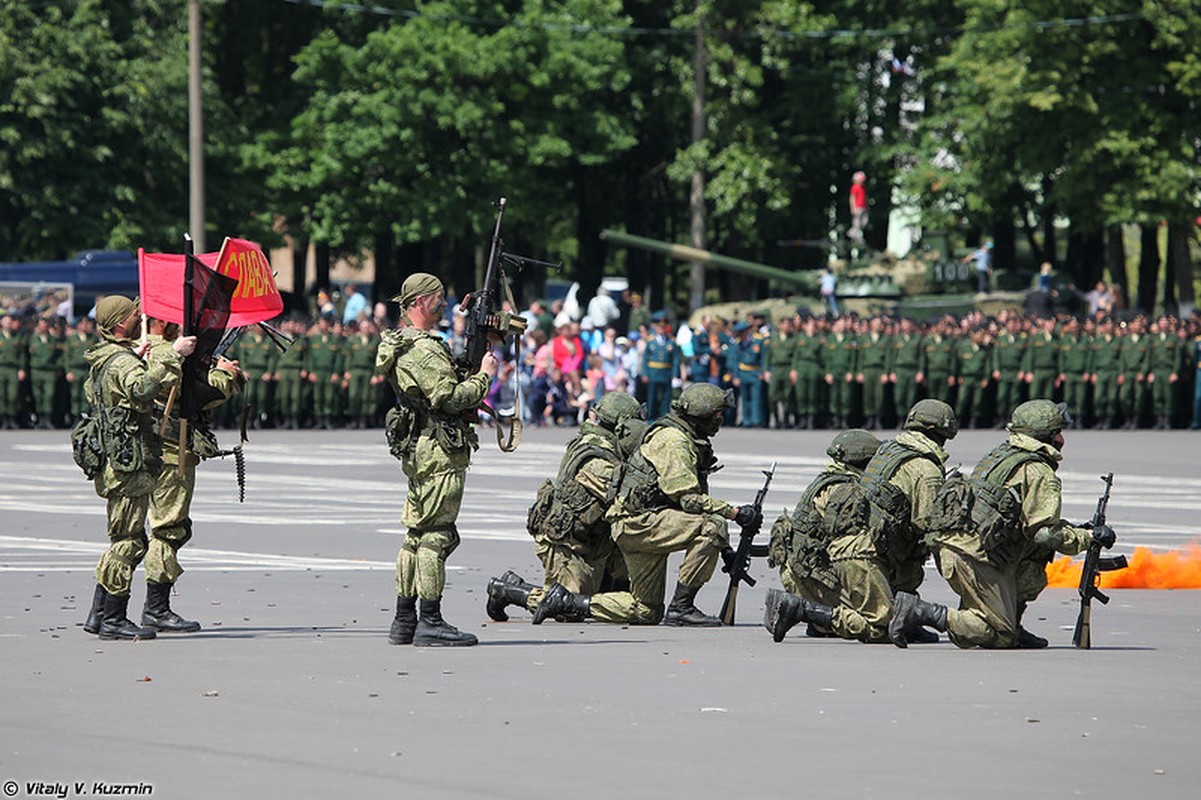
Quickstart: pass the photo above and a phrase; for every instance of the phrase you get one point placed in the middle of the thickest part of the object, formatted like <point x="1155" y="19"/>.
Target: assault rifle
<point x="738" y="565"/>
<point x="1090" y="575"/>
<point x="488" y="321"/>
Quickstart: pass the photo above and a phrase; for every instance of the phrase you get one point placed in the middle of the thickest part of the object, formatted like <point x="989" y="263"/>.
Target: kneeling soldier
<point x="571" y="535"/>
<point x="798" y="541"/>
<point x="663" y="506"/>
<point x="985" y="559"/>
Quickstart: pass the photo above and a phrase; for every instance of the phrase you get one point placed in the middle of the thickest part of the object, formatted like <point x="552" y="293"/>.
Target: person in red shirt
<point x="858" y="207"/>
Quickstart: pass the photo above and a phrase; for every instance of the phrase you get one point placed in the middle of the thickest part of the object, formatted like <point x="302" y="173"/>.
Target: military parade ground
<point x="292" y="690"/>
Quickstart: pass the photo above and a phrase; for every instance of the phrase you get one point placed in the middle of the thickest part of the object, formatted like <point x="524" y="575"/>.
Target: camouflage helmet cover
<point x="855" y="447"/>
<point x="932" y="416"/>
<point x="613" y="407"/>
<point x="1042" y="419"/>
<point x="703" y="400"/>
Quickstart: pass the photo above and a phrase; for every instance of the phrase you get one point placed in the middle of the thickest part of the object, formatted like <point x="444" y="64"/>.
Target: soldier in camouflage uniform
<point x="663" y="506"/>
<point x="876" y="559"/>
<point x="75" y="364"/>
<point x="984" y="572"/>
<point x="567" y="521"/>
<point x="14" y="369"/>
<point x="171" y="502"/>
<point x="798" y="541"/>
<point x="123" y="388"/>
<point x="435" y="446"/>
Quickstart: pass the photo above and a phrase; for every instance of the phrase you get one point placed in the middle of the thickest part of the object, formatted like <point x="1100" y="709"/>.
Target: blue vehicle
<point x="92" y="273"/>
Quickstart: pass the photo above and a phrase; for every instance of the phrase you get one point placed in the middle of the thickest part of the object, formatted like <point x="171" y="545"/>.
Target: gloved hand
<point x="1104" y="536"/>
<point x="748" y="517"/>
<point x="727" y="559"/>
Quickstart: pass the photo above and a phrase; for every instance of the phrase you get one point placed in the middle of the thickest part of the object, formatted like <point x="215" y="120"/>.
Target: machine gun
<point x="487" y="321"/>
<point x="740" y="562"/>
<point x="1090" y="575"/>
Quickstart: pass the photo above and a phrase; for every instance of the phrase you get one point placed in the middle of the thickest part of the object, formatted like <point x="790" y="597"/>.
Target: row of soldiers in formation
<point x="806" y="371"/>
<point x="326" y="378"/>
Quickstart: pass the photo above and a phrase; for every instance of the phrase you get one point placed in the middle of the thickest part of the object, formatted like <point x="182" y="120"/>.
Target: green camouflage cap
<point x="111" y="311"/>
<point x="703" y="400"/>
<point x="417" y="285"/>
<point x="855" y="447"/>
<point x="613" y="407"/>
<point x="932" y="416"/>
<point x="1042" y="419"/>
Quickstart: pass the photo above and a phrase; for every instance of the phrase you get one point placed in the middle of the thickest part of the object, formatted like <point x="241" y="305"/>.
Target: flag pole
<point x="186" y="330"/>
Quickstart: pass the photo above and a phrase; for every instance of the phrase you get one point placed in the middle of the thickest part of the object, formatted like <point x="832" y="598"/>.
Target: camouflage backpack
<point x="804" y="522"/>
<point x="88" y="447"/>
<point x="884" y="510"/>
<point x="981" y="505"/>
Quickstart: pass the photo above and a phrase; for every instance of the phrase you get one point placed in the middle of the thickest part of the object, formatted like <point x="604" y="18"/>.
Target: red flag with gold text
<point x="161" y="278"/>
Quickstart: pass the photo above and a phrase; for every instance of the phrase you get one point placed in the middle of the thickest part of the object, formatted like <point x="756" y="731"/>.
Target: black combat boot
<point x="404" y="624"/>
<point x="508" y="589"/>
<point x="433" y="631"/>
<point x="96" y="614"/>
<point x="1025" y="639"/>
<point x="157" y="614"/>
<point x="785" y="610"/>
<point x="115" y="625"/>
<point x="682" y="611"/>
<point x="558" y="602"/>
<point x="910" y="611"/>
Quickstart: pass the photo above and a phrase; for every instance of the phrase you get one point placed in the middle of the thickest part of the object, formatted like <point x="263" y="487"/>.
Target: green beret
<point x="419" y="284"/>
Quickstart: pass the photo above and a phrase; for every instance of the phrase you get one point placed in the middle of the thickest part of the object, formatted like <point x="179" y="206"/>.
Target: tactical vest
<point x="563" y="509"/>
<point x="885" y="512"/>
<point x="413" y="416"/>
<point x="982" y="506"/>
<point x="639" y="490"/>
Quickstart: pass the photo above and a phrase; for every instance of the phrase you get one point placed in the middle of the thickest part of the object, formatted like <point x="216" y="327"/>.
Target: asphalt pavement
<point x="292" y="691"/>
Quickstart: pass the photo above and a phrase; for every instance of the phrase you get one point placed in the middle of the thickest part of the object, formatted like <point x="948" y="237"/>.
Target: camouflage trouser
<point x="170" y="523"/>
<point x="864" y="601"/>
<point x="803" y="586"/>
<point x="431" y="508"/>
<point x="646" y="540"/>
<point x="128" y="496"/>
<point x="1031" y="578"/>
<point x="988" y="605"/>
<point x="581" y="570"/>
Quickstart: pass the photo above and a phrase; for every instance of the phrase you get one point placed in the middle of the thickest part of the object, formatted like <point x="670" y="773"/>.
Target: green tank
<point x="925" y="284"/>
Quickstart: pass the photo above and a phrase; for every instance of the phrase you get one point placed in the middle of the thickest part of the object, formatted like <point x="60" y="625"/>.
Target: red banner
<point x="256" y="299"/>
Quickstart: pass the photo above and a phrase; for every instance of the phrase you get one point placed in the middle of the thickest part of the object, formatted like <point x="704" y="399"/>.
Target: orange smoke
<point x="1172" y="570"/>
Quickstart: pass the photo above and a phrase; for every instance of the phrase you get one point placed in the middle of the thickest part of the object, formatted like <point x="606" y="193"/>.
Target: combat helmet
<point x="702" y="400"/>
<point x="855" y="447"/>
<point x="932" y="417"/>
<point x="613" y="407"/>
<point x="1042" y="419"/>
